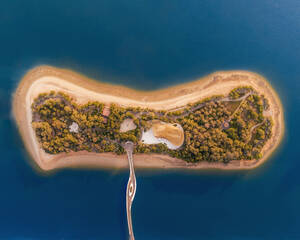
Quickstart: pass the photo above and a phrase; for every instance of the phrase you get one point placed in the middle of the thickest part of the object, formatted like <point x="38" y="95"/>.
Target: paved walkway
<point x="131" y="187"/>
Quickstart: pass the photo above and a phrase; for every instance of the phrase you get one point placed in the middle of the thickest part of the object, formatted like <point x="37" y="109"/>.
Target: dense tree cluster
<point x="215" y="130"/>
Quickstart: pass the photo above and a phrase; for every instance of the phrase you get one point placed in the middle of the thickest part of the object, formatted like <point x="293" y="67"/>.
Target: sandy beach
<point x="44" y="79"/>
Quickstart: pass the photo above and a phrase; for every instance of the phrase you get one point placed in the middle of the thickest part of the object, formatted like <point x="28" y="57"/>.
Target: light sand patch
<point x="127" y="125"/>
<point x="148" y="137"/>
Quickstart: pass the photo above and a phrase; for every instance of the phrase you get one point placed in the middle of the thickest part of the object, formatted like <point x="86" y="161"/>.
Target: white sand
<point x="149" y="138"/>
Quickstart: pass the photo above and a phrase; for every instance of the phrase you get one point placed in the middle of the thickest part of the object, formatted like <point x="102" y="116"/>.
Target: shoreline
<point x="45" y="78"/>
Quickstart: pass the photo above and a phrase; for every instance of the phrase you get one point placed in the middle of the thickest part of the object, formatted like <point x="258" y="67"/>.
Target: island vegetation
<point x="216" y="129"/>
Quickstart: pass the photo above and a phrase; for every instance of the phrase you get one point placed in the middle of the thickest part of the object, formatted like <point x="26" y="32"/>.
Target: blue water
<point x="149" y="45"/>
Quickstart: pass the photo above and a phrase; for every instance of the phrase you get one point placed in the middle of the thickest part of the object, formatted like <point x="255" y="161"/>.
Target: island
<point x="226" y="120"/>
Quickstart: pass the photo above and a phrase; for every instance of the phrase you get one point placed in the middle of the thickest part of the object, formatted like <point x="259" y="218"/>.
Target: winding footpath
<point x="131" y="187"/>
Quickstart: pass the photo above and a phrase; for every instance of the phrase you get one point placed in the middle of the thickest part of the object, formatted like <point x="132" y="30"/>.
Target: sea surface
<point x="150" y="45"/>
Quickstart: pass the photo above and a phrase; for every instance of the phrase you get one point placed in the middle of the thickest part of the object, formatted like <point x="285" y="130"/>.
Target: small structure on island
<point x="225" y="125"/>
<point x="74" y="127"/>
<point x="106" y="112"/>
